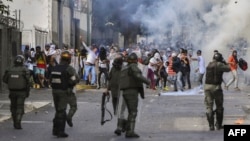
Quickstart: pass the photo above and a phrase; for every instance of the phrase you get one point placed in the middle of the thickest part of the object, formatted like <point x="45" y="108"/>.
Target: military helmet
<point x="218" y="57"/>
<point x="66" y="56"/>
<point x="132" y="58"/>
<point x="19" y="60"/>
<point x="118" y="63"/>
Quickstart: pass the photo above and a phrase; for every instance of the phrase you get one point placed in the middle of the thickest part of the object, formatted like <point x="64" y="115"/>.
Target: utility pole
<point x="16" y="19"/>
<point x="60" y="24"/>
<point x="19" y="21"/>
<point x="72" y="24"/>
<point x="89" y="11"/>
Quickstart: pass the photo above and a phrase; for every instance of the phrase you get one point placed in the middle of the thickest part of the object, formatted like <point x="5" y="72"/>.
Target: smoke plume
<point x="207" y="24"/>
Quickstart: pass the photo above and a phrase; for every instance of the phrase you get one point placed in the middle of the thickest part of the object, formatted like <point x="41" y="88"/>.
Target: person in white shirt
<point x="112" y="55"/>
<point x="201" y="68"/>
<point x="89" y="66"/>
<point x="153" y="65"/>
<point x="103" y="66"/>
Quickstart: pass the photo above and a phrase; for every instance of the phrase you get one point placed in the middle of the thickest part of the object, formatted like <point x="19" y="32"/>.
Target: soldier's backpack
<point x="243" y="64"/>
<point x="16" y="80"/>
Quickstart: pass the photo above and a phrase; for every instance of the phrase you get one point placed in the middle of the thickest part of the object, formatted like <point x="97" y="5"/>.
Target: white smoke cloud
<point x="211" y="24"/>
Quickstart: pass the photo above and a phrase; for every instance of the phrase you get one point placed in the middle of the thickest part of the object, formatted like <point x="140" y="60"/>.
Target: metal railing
<point x="11" y="22"/>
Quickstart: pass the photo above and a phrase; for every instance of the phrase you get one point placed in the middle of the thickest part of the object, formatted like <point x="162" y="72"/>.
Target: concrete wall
<point x="40" y="18"/>
<point x="67" y="23"/>
<point x="9" y="48"/>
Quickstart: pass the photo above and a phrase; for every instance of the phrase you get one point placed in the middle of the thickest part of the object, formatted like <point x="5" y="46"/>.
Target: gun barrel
<point x="103" y="108"/>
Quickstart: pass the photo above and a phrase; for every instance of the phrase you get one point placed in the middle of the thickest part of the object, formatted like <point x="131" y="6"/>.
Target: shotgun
<point x="105" y="100"/>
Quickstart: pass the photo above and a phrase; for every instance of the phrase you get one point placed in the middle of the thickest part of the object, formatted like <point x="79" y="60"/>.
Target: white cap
<point x="174" y="54"/>
<point x="52" y="46"/>
<point x="157" y="55"/>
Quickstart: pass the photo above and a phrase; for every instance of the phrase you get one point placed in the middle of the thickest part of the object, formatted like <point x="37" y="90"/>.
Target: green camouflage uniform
<point x="17" y="97"/>
<point x="61" y="94"/>
<point x="72" y="101"/>
<point x="214" y="93"/>
<point x="132" y="84"/>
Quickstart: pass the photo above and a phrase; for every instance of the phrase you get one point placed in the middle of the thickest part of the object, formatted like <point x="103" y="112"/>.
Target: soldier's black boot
<point x="69" y="122"/>
<point x="130" y="131"/>
<point x="125" y="125"/>
<point x="14" y="120"/>
<point x="219" y="120"/>
<point x="61" y="129"/>
<point x="210" y="119"/>
<point x="55" y="126"/>
<point x="70" y="115"/>
<point x="119" y="128"/>
<point x="17" y="122"/>
<point x="58" y="128"/>
<point x="69" y="118"/>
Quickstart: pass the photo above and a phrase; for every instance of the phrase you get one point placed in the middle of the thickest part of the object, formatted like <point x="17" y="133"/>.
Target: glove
<point x="142" y="96"/>
<point x="141" y="92"/>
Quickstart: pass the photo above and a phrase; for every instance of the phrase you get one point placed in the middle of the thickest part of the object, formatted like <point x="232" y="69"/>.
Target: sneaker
<point x="93" y="84"/>
<point x="226" y="87"/>
<point x="201" y="91"/>
<point x="237" y="89"/>
<point x="165" y="88"/>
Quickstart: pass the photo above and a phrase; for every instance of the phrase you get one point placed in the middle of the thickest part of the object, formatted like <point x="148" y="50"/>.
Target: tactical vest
<point x="16" y="79"/>
<point x="59" y="77"/>
<point x="127" y="81"/>
<point x="213" y="75"/>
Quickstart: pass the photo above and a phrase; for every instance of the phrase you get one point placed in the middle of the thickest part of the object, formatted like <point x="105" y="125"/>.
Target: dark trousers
<point x="17" y="102"/>
<point x="72" y="101"/>
<point x="186" y="78"/>
<point x="131" y="98"/>
<point x="60" y="101"/>
<point x="105" y="71"/>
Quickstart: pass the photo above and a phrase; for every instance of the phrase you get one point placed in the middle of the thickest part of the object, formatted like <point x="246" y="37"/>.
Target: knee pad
<point x="132" y="116"/>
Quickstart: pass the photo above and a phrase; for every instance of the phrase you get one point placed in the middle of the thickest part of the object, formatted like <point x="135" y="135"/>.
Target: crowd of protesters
<point x="166" y="67"/>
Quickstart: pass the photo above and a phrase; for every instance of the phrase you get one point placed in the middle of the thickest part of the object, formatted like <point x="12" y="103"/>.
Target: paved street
<point x="172" y="116"/>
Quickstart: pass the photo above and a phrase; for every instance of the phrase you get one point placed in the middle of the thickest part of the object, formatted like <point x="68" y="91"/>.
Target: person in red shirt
<point x="233" y="62"/>
<point x="41" y="65"/>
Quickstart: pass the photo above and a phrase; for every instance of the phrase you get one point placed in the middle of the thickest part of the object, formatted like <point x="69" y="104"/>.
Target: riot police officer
<point x="113" y="86"/>
<point x="17" y="78"/>
<point x="132" y="84"/>
<point x="63" y="78"/>
<point x="214" y="92"/>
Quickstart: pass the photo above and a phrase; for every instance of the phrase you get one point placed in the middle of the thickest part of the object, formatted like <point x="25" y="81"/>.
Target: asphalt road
<point x="173" y="116"/>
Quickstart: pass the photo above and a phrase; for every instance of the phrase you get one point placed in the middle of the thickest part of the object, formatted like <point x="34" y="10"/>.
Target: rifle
<point x="105" y="100"/>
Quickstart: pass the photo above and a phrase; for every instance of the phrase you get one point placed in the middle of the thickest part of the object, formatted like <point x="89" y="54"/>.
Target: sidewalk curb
<point x="29" y="106"/>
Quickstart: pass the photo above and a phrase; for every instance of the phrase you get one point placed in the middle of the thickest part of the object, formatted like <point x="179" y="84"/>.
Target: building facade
<point x="35" y="23"/>
<point x="40" y="21"/>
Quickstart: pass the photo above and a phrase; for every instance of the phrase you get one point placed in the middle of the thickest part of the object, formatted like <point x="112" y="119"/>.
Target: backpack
<point x="243" y="64"/>
<point x="176" y="62"/>
<point x="16" y="80"/>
